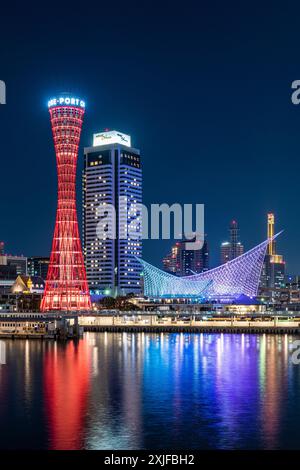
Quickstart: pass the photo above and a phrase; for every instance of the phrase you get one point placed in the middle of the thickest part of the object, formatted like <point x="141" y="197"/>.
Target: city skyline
<point x="149" y="235"/>
<point x="80" y="202"/>
<point x="242" y="124"/>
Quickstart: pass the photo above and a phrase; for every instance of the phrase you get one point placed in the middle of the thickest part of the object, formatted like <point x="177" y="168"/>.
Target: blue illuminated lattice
<point x="237" y="277"/>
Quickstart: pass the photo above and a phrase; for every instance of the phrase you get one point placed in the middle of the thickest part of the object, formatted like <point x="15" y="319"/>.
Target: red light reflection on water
<point x="66" y="385"/>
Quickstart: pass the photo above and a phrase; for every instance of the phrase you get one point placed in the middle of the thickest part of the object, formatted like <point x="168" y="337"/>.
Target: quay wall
<point x="295" y="330"/>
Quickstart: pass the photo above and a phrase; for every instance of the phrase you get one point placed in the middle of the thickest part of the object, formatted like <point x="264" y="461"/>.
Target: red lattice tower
<point x="66" y="286"/>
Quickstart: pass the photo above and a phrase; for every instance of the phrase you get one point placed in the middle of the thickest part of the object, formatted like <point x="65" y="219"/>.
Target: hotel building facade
<point x="112" y="173"/>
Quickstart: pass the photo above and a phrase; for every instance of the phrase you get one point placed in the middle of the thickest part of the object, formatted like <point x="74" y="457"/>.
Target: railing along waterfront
<point x="156" y="323"/>
<point x="64" y="325"/>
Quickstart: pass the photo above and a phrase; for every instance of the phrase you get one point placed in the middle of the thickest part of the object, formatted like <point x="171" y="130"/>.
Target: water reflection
<point x="66" y="387"/>
<point x="129" y="391"/>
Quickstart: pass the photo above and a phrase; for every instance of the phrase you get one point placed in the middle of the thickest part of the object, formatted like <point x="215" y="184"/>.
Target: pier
<point x="195" y="324"/>
<point x="51" y="326"/>
<point x="65" y="326"/>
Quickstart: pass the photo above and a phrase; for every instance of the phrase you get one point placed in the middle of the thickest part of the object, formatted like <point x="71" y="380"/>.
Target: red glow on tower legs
<point x="66" y="286"/>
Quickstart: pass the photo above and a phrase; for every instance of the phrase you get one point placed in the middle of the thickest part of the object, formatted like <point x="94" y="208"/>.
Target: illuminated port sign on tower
<point x="66" y="286"/>
<point x="66" y="101"/>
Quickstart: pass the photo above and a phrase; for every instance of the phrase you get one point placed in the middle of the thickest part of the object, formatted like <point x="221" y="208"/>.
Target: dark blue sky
<point x="203" y="88"/>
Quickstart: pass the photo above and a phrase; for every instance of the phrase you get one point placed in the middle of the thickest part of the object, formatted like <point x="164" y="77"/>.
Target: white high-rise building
<point x="112" y="173"/>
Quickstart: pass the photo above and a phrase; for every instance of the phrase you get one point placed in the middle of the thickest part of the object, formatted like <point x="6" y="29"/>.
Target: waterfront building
<point x="66" y="286"/>
<point x="112" y="173"/>
<point x="183" y="261"/>
<point x="1" y="248"/>
<point x="38" y="266"/>
<point x="293" y="282"/>
<point x="28" y="285"/>
<point x="232" y="281"/>
<point x="233" y="248"/>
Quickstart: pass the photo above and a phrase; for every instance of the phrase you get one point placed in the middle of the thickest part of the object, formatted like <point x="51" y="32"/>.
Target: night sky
<point x="203" y="89"/>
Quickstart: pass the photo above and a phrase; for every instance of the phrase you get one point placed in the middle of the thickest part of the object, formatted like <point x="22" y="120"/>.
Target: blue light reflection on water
<point x="130" y="391"/>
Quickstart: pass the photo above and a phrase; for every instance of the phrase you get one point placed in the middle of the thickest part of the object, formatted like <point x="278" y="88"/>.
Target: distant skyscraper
<point x="225" y="252"/>
<point x="10" y="268"/>
<point x="13" y="263"/>
<point x="112" y="172"/>
<point x="184" y="262"/>
<point x="19" y="263"/>
<point x="171" y="262"/>
<point x="234" y="248"/>
<point x="273" y="270"/>
<point x="38" y="266"/>
<point x="7" y="272"/>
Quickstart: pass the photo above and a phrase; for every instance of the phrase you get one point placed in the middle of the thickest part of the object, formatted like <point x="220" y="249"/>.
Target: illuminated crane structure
<point x="66" y="286"/>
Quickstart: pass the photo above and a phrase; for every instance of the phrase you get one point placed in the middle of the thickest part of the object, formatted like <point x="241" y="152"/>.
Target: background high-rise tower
<point x="234" y="248"/>
<point x="66" y="286"/>
<point x="184" y="262"/>
<point x="272" y="244"/>
<point x="273" y="270"/>
<point x="38" y="266"/>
